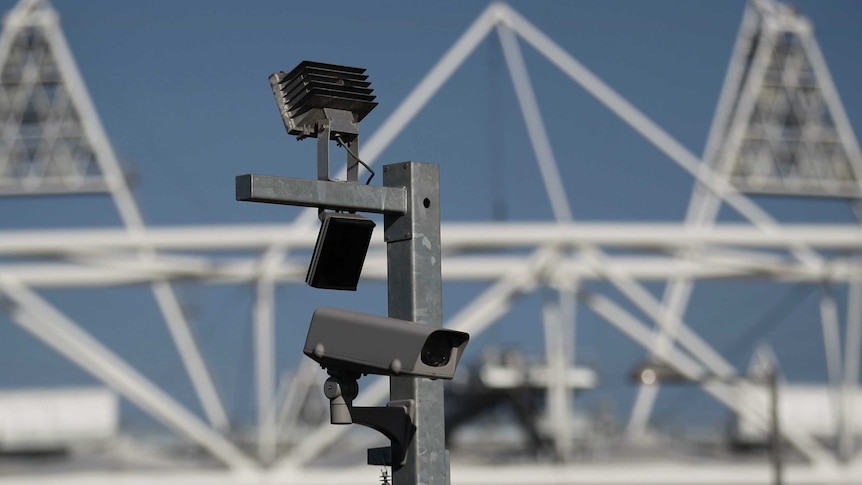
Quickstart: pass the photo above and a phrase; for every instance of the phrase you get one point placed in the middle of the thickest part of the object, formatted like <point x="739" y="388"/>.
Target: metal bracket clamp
<point x="395" y="421"/>
<point x="338" y="125"/>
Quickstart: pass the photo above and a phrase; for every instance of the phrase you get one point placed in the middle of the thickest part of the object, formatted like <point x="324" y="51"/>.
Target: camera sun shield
<point x="361" y="343"/>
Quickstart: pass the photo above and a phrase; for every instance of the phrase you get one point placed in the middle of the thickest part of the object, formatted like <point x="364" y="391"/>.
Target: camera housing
<point x="360" y="343"/>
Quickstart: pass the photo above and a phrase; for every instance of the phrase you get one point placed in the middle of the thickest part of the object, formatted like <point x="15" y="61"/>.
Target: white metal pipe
<point x="264" y="350"/>
<point x="184" y="340"/>
<point x="454" y="268"/>
<point x="264" y="357"/>
<point x="635" y="472"/>
<point x="728" y="151"/>
<point x="674" y="303"/>
<point x="461" y="268"/>
<point x="726" y="101"/>
<point x="832" y="348"/>
<point x="641" y="411"/>
<point x="455" y="236"/>
<point x="557" y="391"/>
<point x="535" y="124"/>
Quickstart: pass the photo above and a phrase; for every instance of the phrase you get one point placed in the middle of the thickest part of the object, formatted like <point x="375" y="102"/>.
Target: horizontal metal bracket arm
<point x="322" y="194"/>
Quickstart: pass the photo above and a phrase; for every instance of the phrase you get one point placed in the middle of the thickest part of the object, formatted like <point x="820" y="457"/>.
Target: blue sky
<point x="182" y="90"/>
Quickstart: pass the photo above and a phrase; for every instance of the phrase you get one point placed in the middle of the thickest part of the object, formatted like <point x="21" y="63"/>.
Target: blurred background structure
<point x="170" y="349"/>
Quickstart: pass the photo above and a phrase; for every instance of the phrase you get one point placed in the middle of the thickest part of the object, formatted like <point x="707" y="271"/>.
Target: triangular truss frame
<point x="782" y="128"/>
<point x="53" y="141"/>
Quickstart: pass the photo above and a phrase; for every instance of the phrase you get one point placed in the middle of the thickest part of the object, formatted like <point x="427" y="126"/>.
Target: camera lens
<point x="437" y="350"/>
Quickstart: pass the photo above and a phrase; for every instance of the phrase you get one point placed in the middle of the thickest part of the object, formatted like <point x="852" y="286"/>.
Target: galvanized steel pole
<point x="415" y="293"/>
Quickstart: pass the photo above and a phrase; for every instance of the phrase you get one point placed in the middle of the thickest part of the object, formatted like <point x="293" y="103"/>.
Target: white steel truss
<point x="779" y="127"/>
<point x="561" y="255"/>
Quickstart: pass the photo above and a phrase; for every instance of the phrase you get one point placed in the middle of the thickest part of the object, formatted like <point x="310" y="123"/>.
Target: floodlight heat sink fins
<point x="305" y="95"/>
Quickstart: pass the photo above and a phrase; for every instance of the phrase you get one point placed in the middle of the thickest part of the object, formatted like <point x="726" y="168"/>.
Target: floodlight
<point x="314" y="91"/>
<point x="327" y="102"/>
<point x="339" y="253"/>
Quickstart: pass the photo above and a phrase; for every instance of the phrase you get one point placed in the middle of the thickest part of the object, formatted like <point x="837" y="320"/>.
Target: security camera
<point x="351" y="342"/>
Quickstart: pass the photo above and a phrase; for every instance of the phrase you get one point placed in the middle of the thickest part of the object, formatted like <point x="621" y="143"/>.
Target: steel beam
<point x="455" y="236"/>
<point x="635" y="472"/>
<point x="415" y="291"/>
<point x="455" y="268"/>
<point x="324" y="194"/>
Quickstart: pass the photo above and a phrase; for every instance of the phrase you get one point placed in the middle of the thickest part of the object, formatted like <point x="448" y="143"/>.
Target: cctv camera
<point x="353" y="342"/>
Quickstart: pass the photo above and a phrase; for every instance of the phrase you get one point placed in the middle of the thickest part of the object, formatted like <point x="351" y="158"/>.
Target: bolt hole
<point x="426" y="203"/>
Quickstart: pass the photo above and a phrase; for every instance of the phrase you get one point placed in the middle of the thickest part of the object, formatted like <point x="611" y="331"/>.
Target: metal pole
<point x="775" y="437"/>
<point x="415" y="293"/>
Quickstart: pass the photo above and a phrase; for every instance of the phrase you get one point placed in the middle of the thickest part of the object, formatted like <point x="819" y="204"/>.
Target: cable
<point x="341" y="143"/>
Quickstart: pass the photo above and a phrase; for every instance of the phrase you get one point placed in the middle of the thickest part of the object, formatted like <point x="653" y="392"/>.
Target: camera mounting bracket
<point x="395" y="420"/>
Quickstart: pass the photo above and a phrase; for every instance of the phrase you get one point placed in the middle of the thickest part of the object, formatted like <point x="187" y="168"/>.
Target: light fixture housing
<point x="315" y="91"/>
